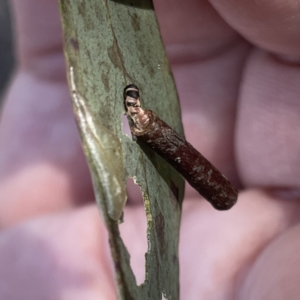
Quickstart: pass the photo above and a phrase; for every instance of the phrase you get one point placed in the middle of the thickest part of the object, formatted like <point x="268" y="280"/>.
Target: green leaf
<point x="109" y="44"/>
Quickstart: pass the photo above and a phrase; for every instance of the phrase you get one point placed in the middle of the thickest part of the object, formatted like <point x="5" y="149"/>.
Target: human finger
<point x="276" y="271"/>
<point x="40" y="154"/>
<point x="268" y="112"/>
<point x="207" y="58"/>
<point x="273" y="25"/>
<point x="268" y="143"/>
<point x="59" y="256"/>
<point x="225" y="245"/>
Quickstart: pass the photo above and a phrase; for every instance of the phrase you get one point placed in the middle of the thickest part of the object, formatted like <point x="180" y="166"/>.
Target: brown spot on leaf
<point x="174" y="195"/>
<point x="114" y="55"/>
<point x="74" y="43"/>
<point x="135" y="22"/>
<point x="174" y="259"/>
<point x="160" y="231"/>
<point x="105" y="81"/>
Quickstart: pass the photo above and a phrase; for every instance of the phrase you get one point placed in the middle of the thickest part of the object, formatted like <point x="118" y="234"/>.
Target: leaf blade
<point x="109" y="44"/>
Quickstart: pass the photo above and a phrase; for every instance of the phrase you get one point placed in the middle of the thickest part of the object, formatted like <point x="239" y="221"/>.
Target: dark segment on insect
<point x="192" y="165"/>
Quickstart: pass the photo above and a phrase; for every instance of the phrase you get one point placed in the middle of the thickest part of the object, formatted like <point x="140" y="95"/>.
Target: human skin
<point x="238" y="82"/>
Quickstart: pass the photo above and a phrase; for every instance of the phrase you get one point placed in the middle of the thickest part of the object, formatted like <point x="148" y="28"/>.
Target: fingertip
<point x="271" y="25"/>
<point x="59" y="255"/>
<point x="267" y="134"/>
<point x="275" y="274"/>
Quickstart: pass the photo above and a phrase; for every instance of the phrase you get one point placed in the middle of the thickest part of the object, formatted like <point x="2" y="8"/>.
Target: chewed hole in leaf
<point x="133" y="230"/>
<point x="134" y="194"/>
<point x="125" y="126"/>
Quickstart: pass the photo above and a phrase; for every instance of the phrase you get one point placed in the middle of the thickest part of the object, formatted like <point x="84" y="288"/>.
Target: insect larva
<point x="192" y="165"/>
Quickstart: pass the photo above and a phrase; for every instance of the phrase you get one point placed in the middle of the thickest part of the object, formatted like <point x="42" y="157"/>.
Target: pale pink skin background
<point x="239" y="85"/>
